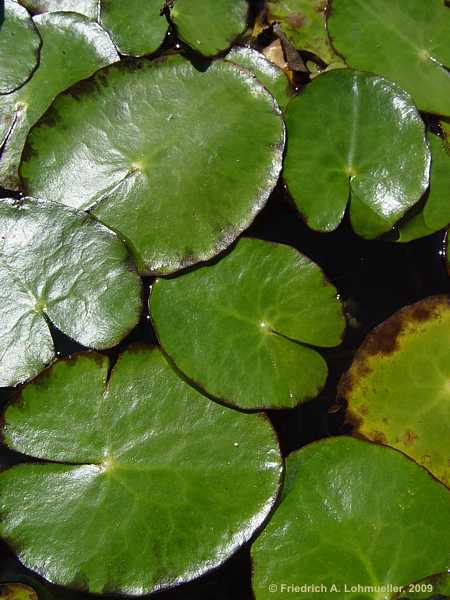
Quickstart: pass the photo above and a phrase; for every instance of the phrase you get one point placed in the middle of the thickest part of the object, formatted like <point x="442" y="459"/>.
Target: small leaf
<point x="398" y="387"/>
<point x="61" y="265"/>
<point x="247" y="324"/>
<point x="356" y="134"/>
<point x="353" y="514"/>
<point x="84" y="7"/>
<point x="19" y="47"/>
<point x="176" y="160"/>
<point x="209" y="27"/>
<point x="154" y="484"/>
<point x="16" y="591"/>
<point x="404" y="40"/>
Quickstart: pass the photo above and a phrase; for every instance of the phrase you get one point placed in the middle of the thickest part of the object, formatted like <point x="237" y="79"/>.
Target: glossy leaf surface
<point x="89" y="8"/>
<point x="209" y="27"/>
<point x="271" y="76"/>
<point x="358" y="135"/>
<point x="398" y="385"/>
<point x="60" y="265"/>
<point x="19" y="47"/>
<point x="144" y="505"/>
<point x="239" y="328"/>
<point x="173" y="163"/>
<point x="73" y="49"/>
<point x="352" y="513"/>
<point x="404" y="40"/>
<point x="136" y="27"/>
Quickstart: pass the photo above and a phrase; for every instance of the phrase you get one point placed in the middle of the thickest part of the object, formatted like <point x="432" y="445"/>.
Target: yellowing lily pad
<point x="398" y="387"/>
<point x="126" y="499"/>
<point x="245" y="328"/>
<point x="356" y="521"/>
<point x="17" y="591"/>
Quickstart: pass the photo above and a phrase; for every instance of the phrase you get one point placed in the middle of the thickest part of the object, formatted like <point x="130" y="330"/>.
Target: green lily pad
<point x="398" y="388"/>
<point x="89" y="8"/>
<point x="16" y="591"/>
<point x="435" y="215"/>
<point x="136" y="27"/>
<point x="209" y="27"/>
<point x="358" y="135"/>
<point x="73" y="49"/>
<point x="179" y="173"/>
<point x="19" y="47"/>
<point x="254" y="315"/>
<point x="142" y="503"/>
<point x="271" y="76"/>
<point x="433" y="587"/>
<point x="404" y="40"/>
<point x="60" y="265"/>
<point x="353" y="514"/>
<point x="303" y="23"/>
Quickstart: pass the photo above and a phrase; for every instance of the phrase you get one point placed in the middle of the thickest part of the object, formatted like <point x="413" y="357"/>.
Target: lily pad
<point x="59" y="265"/>
<point x="254" y="316"/>
<point x="174" y="163"/>
<point x="404" y="40"/>
<point x="89" y="8"/>
<point x="16" y="591"/>
<point x="398" y="387"/>
<point x="358" y="135"/>
<point x="144" y="506"/>
<point x="353" y="514"/>
<point x="435" y="215"/>
<point x="19" y="47"/>
<point x="136" y="27"/>
<point x="209" y="27"/>
<point x="271" y="76"/>
<point x="73" y="49"/>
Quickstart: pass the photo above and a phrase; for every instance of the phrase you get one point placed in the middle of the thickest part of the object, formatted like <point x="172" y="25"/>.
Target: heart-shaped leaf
<point x="398" y="387"/>
<point x="271" y="76"/>
<point x="88" y="8"/>
<point x="435" y="215"/>
<point x="154" y="483"/>
<point x="353" y="514"/>
<point x="209" y="27"/>
<point x="73" y="49"/>
<point x="136" y="27"/>
<point x="19" y="47"/>
<point x="179" y="162"/>
<point x="61" y="265"/>
<point x="356" y="134"/>
<point x="16" y="591"/>
<point x="241" y="328"/>
<point x="404" y="40"/>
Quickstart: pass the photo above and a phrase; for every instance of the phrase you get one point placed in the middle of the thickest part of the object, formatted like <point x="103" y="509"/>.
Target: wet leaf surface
<point x="16" y="591"/>
<point x="398" y="387"/>
<point x="19" y="47"/>
<point x="254" y="314"/>
<point x="73" y="49"/>
<point x="60" y="265"/>
<point x="179" y="173"/>
<point x="404" y="40"/>
<point x="358" y="135"/>
<point x="144" y="506"/>
<point x="84" y="7"/>
<point x="334" y="526"/>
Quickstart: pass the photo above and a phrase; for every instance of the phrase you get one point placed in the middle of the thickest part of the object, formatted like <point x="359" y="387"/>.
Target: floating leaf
<point x="61" y="265"/>
<point x="253" y="315"/>
<point x="434" y="587"/>
<point x="352" y="514"/>
<point x="19" y="47"/>
<point x="355" y="134"/>
<point x="85" y="7"/>
<point x="303" y="23"/>
<point x="73" y="49"/>
<point x="136" y="27"/>
<point x="179" y="162"/>
<point x="398" y="387"/>
<point x="435" y="215"/>
<point x="16" y="591"/>
<point x="271" y="76"/>
<point x="209" y="27"/>
<point x="404" y="40"/>
<point x="142" y="503"/>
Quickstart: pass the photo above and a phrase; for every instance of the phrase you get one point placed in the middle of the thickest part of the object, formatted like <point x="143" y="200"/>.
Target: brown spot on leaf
<point x="363" y="409"/>
<point x="378" y="437"/>
<point x="295" y="20"/>
<point x="409" y="438"/>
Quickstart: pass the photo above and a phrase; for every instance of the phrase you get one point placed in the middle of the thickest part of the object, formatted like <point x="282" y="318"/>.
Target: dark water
<point x="374" y="280"/>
